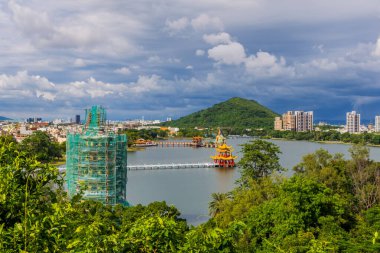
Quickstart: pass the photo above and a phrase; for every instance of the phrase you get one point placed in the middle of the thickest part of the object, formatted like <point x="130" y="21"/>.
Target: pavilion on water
<point x="223" y="157"/>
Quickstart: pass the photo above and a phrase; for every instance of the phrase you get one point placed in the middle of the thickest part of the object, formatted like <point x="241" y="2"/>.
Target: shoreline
<point x="326" y="142"/>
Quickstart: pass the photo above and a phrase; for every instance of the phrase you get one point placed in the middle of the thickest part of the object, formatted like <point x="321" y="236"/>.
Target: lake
<point x="190" y="189"/>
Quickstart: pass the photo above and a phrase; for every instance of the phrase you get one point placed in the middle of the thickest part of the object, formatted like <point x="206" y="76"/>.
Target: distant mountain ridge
<point x="4" y="118"/>
<point x="235" y="112"/>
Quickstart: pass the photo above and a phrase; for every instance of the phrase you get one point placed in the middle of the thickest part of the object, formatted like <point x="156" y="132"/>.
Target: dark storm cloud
<point x="169" y="58"/>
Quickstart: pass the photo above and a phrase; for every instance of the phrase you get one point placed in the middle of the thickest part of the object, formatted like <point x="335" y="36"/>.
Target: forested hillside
<point x="235" y="112"/>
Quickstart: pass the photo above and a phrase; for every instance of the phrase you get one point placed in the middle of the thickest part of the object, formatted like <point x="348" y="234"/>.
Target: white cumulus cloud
<point x="146" y="84"/>
<point x="230" y="54"/>
<point x="219" y="38"/>
<point x="264" y="64"/>
<point x="178" y="25"/>
<point x="205" y="22"/>
<point x="23" y="85"/>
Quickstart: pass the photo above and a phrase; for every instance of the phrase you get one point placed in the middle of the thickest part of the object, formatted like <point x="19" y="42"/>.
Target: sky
<point x="167" y="58"/>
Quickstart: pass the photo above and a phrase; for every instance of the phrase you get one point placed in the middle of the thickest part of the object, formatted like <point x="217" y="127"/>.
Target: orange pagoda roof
<point x="219" y="157"/>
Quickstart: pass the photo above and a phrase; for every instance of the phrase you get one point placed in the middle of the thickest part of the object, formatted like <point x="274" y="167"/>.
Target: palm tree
<point x="216" y="204"/>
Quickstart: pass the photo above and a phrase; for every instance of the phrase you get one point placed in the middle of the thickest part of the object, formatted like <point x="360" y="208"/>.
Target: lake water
<point x="190" y="189"/>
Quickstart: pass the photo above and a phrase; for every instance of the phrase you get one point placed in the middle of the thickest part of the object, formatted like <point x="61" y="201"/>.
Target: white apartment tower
<point x="377" y="123"/>
<point x="353" y="122"/>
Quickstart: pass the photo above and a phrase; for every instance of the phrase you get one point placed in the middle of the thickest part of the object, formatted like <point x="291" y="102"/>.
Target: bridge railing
<point x="170" y="166"/>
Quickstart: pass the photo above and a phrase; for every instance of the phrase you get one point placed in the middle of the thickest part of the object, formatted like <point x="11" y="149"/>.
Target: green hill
<point x="235" y="112"/>
<point x="4" y="118"/>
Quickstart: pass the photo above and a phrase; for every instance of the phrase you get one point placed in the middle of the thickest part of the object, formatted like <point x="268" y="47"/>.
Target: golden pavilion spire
<point x="223" y="157"/>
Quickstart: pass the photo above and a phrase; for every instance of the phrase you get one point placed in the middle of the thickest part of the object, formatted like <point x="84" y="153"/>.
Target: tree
<point x="303" y="211"/>
<point x="326" y="168"/>
<point x="365" y="175"/>
<point x="206" y="239"/>
<point x="28" y="189"/>
<point x="260" y="159"/>
<point x="242" y="199"/>
<point x="217" y="202"/>
<point x="41" y="145"/>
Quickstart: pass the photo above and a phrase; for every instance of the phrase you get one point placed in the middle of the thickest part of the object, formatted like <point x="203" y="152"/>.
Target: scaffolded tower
<point x="96" y="161"/>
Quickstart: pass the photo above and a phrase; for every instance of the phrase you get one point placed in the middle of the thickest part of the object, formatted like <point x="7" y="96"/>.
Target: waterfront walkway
<point x="170" y="166"/>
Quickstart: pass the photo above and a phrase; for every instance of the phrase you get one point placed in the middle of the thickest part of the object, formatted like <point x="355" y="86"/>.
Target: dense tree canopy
<point x="329" y="205"/>
<point x="41" y="145"/>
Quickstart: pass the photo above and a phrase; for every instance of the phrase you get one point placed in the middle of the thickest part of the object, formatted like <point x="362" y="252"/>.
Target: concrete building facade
<point x="353" y="122"/>
<point x="289" y="121"/>
<point x="278" y="123"/>
<point x="299" y="121"/>
<point x="304" y="121"/>
<point x="377" y="123"/>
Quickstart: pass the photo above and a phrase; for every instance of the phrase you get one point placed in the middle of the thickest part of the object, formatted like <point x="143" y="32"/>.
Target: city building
<point x="33" y="120"/>
<point x="278" y="124"/>
<point x="353" y="122"/>
<point x="77" y="119"/>
<point x="377" y="123"/>
<point x="96" y="161"/>
<point x="289" y="121"/>
<point x="299" y="121"/>
<point x="304" y="121"/>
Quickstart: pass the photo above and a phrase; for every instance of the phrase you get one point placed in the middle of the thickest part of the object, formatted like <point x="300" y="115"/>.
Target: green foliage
<point x="28" y="189"/>
<point x="155" y="234"/>
<point x="207" y="239"/>
<point x="365" y="176"/>
<point x="299" y="209"/>
<point x="329" y="205"/>
<point x="363" y="236"/>
<point x="147" y="134"/>
<point x="217" y="203"/>
<point x="41" y="145"/>
<point x="328" y="169"/>
<point x="328" y="135"/>
<point x="235" y="112"/>
<point x="260" y="159"/>
<point x="244" y="198"/>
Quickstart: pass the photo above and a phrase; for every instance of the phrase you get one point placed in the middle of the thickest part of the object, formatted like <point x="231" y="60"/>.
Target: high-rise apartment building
<point x="299" y="121"/>
<point x="352" y="122"/>
<point x="377" y="123"/>
<point x="77" y="119"/>
<point x="304" y="121"/>
<point x="289" y="121"/>
<point x="278" y="123"/>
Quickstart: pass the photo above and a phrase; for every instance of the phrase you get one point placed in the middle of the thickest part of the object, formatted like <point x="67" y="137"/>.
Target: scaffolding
<point x="96" y="161"/>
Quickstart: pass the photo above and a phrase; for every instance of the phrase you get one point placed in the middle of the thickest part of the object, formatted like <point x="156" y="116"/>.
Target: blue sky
<point x="169" y="58"/>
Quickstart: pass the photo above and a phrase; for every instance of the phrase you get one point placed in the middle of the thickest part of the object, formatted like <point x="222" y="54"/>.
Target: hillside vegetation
<point x="4" y="118"/>
<point x="329" y="204"/>
<point x="235" y="112"/>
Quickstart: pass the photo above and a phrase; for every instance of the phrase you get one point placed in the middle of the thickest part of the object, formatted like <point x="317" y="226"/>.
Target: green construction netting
<point x="96" y="161"/>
